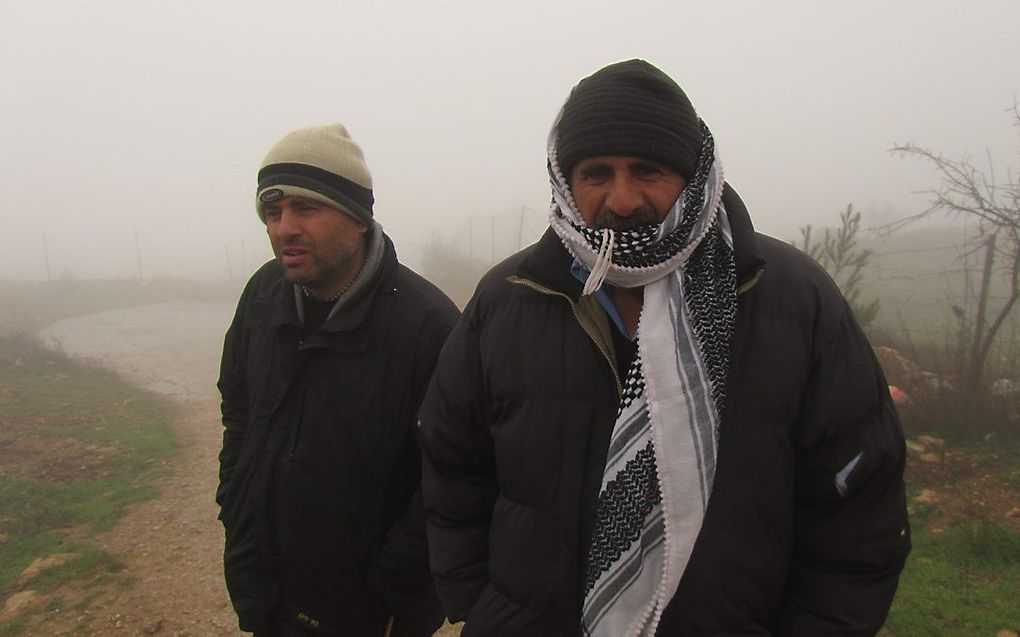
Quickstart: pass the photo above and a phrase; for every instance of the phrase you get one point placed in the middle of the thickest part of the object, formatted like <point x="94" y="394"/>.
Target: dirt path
<point x="170" y="546"/>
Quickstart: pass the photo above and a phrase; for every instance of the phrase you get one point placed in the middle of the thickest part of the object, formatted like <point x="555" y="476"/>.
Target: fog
<point x="131" y="132"/>
<point x="130" y="138"/>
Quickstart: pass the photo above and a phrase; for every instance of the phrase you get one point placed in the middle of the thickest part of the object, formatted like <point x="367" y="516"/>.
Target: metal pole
<point x="230" y="270"/>
<point x="46" y="255"/>
<point x="138" y="253"/>
<point x="520" y="228"/>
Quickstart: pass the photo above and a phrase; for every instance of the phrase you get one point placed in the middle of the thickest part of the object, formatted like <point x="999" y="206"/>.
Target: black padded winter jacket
<point x="320" y="468"/>
<point x="515" y="428"/>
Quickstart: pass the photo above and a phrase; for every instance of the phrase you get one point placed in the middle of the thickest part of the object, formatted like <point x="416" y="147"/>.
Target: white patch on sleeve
<point x="844" y="473"/>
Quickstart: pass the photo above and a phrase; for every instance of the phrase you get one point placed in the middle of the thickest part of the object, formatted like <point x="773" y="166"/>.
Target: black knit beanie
<point x="629" y="108"/>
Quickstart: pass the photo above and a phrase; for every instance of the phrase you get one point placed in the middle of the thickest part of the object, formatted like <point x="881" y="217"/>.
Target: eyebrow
<point x="595" y="168"/>
<point x="645" y="164"/>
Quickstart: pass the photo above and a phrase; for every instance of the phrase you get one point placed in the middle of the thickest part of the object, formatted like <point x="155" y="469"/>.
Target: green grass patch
<point x="78" y="446"/>
<point x="962" y="581"/>
<point x="21" y="550"/>
<point x="965" y="578"/>
<point x="89" y="564"/>
<point x="13" y="627"/>
<point x="1000" y="450"/>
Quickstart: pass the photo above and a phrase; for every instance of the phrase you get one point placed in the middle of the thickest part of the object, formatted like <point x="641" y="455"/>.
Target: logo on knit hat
<point x="271" y="195"/>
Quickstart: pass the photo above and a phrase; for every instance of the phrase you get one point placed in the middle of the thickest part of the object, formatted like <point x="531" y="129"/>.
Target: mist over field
<point x="131" y="132"/>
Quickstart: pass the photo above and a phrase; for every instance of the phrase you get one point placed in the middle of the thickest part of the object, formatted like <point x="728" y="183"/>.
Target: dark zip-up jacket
<point x="515" y="429"/>
<point x="320" y="468"/>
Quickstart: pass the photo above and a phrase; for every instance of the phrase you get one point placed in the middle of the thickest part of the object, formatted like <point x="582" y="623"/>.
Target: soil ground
<point x="958" y="486"/>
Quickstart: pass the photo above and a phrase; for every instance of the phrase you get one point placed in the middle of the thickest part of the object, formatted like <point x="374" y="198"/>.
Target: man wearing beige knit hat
<point x="324" y="367"/>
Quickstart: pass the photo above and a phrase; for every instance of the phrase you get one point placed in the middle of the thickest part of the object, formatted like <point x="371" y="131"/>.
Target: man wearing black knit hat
<point x="324" y="367"/>
<point x="656" y="421"/>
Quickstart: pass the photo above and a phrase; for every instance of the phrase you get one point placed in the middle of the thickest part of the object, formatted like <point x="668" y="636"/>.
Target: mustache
<point x="640" y="218"/>
<point x="295" y="243"/>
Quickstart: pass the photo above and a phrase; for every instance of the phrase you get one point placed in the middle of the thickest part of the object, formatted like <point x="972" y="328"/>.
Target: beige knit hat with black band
<point x="321" y="163"/>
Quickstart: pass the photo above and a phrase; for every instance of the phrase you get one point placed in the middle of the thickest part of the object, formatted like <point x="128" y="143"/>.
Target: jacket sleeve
<point x="239" y="546"/>
<point x="851" y="535"/>
<point x="234" y="398"/>
<point x="459" y="482"/>
<point x="402" y="563"/>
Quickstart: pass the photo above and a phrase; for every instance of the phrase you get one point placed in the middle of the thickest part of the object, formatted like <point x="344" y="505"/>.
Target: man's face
<point x="319" y="247"/>
<point x="622" y="193"/>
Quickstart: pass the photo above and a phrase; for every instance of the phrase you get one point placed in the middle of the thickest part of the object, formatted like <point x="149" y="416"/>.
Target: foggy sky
<point x="150" y="119"/>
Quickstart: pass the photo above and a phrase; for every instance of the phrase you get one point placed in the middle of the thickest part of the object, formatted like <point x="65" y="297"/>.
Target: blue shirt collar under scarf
<point x="602" y="295"/>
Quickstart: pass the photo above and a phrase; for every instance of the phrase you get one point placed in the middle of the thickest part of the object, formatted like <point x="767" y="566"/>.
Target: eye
<point x="596" y="173"/>
<point x="645" y="170"/>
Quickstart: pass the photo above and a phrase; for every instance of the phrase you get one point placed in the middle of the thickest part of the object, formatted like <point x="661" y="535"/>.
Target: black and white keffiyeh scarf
<point x="661" y="462"/>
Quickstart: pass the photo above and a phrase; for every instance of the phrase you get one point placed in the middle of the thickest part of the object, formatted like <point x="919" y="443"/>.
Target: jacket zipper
<point x="750" y="283"/>
<point x="577" y="317"/>
<point x="294" y="435"/>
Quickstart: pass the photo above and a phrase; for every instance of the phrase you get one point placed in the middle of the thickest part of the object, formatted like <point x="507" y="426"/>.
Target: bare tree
<point x="839" y="254"/>
<point x="965" y="190"/>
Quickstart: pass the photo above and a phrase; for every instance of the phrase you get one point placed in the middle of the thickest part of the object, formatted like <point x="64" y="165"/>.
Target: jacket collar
<point x="276" y="305"/>
<point x="548" y="262"/>
<point x="747" y="253"/>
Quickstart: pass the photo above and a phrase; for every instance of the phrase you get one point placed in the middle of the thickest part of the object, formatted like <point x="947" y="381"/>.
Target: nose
<point x="624" y="197"/>
<point x="288" y="225"/>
